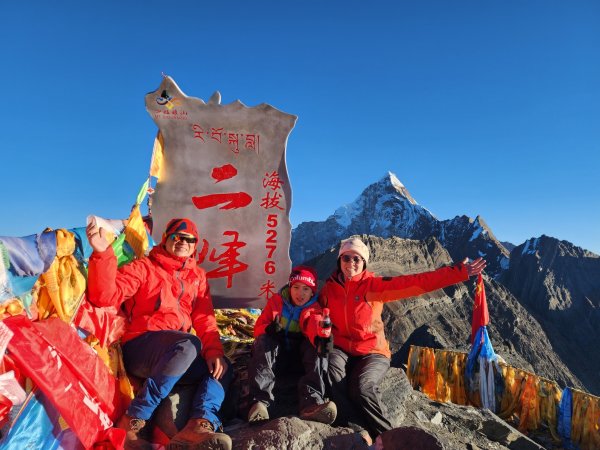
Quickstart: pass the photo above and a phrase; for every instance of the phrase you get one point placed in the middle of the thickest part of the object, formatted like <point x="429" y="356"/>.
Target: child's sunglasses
<point x="179" y="237"/>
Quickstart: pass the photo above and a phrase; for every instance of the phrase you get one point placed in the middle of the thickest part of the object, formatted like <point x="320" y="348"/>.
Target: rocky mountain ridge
<point x="559" y="284"/>
<point x="387" y="209"/>
<point x="544" y="297"/>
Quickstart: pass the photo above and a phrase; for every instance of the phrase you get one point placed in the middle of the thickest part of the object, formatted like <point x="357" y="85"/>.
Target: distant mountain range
<point x="543" y="295"/>
<point x="387" y="209"/>
<point x="559" y="284"/>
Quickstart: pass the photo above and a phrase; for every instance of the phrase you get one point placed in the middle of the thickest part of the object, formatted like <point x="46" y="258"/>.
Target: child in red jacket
<point x="284" y="333"/>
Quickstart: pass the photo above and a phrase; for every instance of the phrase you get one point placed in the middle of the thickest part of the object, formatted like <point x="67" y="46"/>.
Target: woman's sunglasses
<point x="179" y="238"/>
<point x="348" y="258"/>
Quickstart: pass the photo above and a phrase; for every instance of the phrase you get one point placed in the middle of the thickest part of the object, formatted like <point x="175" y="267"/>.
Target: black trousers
<point x="355" y="384"/>
<point x="293" y="355"/>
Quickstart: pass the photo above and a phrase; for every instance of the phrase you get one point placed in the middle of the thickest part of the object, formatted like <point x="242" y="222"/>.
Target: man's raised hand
<point x="96" y="236"/>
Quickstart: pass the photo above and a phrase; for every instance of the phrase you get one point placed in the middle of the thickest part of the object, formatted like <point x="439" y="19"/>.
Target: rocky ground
<point x="422" y="424"/>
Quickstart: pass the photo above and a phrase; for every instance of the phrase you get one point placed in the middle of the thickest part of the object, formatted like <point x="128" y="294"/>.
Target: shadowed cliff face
<point x="442" y="319"/>
<point x="559" y="284"/>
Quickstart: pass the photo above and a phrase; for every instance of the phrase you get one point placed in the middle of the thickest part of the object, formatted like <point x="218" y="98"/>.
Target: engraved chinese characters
<point x="224" y="167"/>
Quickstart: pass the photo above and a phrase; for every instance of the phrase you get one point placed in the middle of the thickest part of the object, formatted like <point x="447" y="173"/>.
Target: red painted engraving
<point x="198" y="132"/>
<point x="233" y="138"/>
<point x="231" y="200"/>
<point x="202" y="252"/>
<point x="252" y="142"/>
<point x="228" y="262"/>
<point x="269" y="202"/>
<point x="223" y="173"/>
<point x="267" y="289"/>
<point x="216" y="134"/>
<point x="272" y="181"/>
<point x="271" y="243"/>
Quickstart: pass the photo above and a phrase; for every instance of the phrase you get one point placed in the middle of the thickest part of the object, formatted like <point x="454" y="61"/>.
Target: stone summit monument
<point x="224" y="167"/>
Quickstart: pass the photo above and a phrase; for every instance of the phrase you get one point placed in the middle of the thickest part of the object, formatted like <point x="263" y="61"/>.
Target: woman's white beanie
<point x="355" y="245"/>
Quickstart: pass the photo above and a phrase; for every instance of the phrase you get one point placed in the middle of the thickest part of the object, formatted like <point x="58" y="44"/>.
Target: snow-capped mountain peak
<point x="478" y="229"/>
<point x="530" y="246"/>
<point x="392" y="180"/>
<point x="386" y="209"/>
<point x="379" y="196"/>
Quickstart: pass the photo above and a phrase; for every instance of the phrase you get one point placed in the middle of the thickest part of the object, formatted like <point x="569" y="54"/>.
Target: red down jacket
<point x="356" y="304"/>
<point x="293" y="318"/>
<point x="159" y="292"/>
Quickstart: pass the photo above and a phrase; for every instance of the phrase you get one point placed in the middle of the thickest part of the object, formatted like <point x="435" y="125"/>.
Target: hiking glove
<point x="274" y="328"/>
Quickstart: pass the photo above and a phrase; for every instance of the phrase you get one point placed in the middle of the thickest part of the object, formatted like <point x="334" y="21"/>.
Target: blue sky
<point x="480" y="108"/>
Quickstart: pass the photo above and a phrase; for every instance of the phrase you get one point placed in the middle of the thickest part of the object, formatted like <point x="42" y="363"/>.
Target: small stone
<point x="421" y="416"/>
<point x="437" y="419"/>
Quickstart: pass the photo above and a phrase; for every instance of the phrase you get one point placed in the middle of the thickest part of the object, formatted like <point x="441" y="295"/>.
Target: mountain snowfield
<point x="385" y="209"/>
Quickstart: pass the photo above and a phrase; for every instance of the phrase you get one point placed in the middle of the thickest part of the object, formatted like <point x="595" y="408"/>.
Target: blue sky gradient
<point x="480" y="108"/>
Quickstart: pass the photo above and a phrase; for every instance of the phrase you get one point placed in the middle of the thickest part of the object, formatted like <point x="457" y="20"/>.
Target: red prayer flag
<point x="5" y="406"/>
<point x="103" y="322"/>
<point x="68" y="371"/>
<point x="111" y="439"/>
<point x="481" y="316"/>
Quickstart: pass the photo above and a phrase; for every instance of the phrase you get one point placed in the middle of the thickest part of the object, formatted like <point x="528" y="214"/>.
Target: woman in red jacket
<point x="163" y="296"/>
<point x="361" y="355"/>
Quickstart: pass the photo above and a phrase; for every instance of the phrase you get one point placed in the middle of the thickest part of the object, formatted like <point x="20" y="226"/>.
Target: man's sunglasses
<point x="179" y="237"/>
<point x="348" y="258"/>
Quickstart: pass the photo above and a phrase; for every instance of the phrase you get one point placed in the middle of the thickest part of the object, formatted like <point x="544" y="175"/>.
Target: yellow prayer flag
<point x="135" y="232"/>
<point x="156" y="165"/>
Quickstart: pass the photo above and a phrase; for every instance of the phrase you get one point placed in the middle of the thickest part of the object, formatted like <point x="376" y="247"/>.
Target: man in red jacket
<point x="361" y="356"/>
<point x="163" y="296"/>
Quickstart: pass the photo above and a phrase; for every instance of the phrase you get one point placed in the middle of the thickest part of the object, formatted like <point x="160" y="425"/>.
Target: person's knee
<point x="366" y="384"/>
<point x="189" y="347"/>
<point x="336" y="369"/>
<point x="335" y="374"/>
